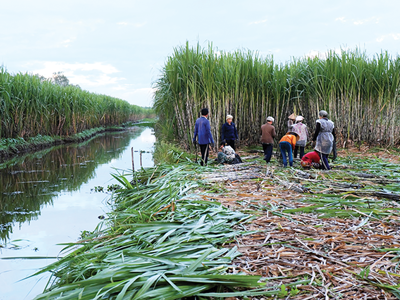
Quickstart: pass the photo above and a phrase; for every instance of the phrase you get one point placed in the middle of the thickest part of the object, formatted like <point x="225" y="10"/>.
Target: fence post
<point x="133" y="161"/>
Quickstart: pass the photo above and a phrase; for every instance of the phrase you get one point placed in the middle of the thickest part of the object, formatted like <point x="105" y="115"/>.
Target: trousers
<point x="296" y="149"/>
<point x="286" y="147"/>
<point x="204" y="154"/>
<point x="231" y="143"/>
<point x="267" y="152"/>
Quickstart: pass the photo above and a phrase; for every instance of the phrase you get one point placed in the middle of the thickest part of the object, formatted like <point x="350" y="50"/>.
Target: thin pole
<point x="141" y="158"/>
<point x="133" y="161"/>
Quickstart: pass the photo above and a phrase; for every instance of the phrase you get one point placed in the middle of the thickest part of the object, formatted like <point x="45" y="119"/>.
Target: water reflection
<point x="30" y="182"/>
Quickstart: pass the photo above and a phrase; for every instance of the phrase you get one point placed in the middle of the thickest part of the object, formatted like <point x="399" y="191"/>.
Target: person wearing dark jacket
<point x="267" y="138"/>
<point x="229" y="133"/>
<point x="202" y="130"/>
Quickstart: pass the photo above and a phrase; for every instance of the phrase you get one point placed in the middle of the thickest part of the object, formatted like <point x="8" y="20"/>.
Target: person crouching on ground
<point x="286" y="145"/>
<point x="228" y="156"/>
<point x="267" y="138"/>
<point x="311" y="159"/>
<point x="229" y="133"/>
<point x="302" y="131"/>
<point x="202" y="130"/>
<point x="324" y="137"/>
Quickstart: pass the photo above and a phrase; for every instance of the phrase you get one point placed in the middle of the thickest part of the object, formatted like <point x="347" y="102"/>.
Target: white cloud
<point x="395" y="36"/>
<point x="49" y="67"/>
<point x="358" y="22"/>
<point x="341" y="19"/>
<point x="364" y="21"/>
<point x="66" y="43"/>
<point x="323" y="55"/>
<point x="140" y="96"/>
<point x="313" y="53"/>
<point x="137" y="25"/>
<point x="84" y="74"/>
<point x="258" y="22"/>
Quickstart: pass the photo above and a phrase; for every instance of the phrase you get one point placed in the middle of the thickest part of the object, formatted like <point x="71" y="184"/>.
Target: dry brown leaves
<point x="334" y="253"/>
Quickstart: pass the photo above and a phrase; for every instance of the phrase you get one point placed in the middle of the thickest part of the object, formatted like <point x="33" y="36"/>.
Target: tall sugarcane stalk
<point x="30" y="106"/>
<point x="360" y="93"/>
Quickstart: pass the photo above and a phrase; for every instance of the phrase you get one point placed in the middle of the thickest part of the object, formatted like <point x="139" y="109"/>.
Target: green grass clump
<point x="169" y="153"/>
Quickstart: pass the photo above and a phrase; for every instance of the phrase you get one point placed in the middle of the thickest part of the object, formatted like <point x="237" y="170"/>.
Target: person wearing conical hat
<point x="291" y="120"/>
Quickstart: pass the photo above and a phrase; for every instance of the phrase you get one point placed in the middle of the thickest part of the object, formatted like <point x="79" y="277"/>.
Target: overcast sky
<point x="118" y="47"/>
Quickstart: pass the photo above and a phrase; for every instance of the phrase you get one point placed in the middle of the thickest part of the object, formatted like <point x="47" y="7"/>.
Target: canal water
<point x="47" y="198"/>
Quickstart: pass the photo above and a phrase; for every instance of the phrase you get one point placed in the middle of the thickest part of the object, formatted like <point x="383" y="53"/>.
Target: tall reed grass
<point x="30" y="106"/>
<point x="360" y="93"/>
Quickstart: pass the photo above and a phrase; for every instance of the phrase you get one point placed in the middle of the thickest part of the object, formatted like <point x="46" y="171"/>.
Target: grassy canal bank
<point x="11" y="147"/>
<point x="240" y="232"/>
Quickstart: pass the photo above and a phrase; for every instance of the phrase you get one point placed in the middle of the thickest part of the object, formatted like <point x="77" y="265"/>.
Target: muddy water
<point x="46" y="198"/>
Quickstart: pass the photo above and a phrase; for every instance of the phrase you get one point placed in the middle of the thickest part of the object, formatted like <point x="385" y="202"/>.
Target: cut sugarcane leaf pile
<point x="159" y="243"/>
<point x="193" y="232"/>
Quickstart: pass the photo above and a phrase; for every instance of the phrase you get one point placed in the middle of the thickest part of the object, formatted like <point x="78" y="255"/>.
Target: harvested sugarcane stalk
<point x="390" y="196"/>
<point x="363" y="175"/>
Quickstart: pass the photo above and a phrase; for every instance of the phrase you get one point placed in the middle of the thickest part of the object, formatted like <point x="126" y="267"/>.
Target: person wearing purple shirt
<point x="202" y="130"/>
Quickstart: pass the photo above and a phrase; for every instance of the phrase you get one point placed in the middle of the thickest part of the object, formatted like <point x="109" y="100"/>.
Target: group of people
<point x="202" y="131"/>
<point x="290" y="145"/>
<point x="295" y="140"/>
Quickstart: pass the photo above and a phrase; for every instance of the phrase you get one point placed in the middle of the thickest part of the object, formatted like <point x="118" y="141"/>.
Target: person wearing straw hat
<point x="302" y="131"/>
<point x="286" y="145"/>
<point x="324" y="137"/>
<point x="290" y="122"/>
<point x="267" y="138"/>
<point x="202" y="130"/>
<point x="229" y="132"/>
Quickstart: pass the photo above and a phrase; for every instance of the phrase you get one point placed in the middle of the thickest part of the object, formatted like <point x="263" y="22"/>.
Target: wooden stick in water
<point x="133" y="162"/>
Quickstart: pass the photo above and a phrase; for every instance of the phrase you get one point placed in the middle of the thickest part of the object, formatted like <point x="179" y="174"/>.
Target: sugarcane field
<point x="162" y="150"/>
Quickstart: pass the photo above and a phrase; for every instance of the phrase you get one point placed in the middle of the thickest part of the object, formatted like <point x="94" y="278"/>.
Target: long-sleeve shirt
<point x="311" y="157"/>
<point x="267" y="133"/>
<point x="290" y="138"/>
<point x="202" y="130"/>
<point x="229" y="132"/>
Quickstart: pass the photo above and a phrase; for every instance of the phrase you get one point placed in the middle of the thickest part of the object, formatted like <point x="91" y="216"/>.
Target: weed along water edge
<point x="47" y="198"/>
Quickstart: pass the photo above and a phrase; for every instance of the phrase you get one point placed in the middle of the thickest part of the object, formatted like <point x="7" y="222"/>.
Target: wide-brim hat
<point x="292" y="117"/>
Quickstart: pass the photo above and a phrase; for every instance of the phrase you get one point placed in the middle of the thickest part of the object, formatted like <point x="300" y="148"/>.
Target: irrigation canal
<point x="47" y="198"/>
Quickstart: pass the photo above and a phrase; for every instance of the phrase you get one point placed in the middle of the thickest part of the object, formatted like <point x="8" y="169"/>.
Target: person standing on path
<point x="202" y="130"/>
<point x="286" y="145"/>
<point x="324" y="137"/>
<point x="302" y="131"/>
<point x="267" y="138"/>
<point x="229" y="133"/>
